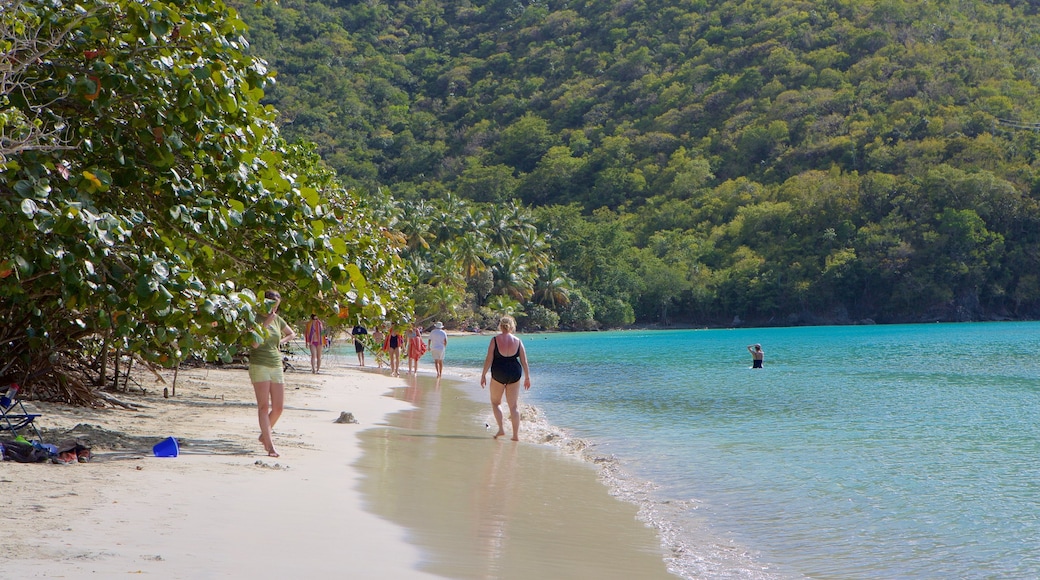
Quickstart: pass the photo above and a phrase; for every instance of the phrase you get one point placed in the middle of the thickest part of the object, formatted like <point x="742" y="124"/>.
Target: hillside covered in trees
<point x="687" y="161"/>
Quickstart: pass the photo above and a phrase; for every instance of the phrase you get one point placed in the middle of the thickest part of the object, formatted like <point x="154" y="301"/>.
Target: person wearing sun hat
<point x="438" y="343"/>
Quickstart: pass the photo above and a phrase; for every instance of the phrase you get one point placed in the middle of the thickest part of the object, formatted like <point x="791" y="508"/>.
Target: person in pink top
<point x="314" y="334"/>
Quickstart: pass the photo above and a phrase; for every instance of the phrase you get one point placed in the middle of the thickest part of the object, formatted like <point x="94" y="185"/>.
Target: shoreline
<point x="224" y="509"/>
<point x="481" y="508"/>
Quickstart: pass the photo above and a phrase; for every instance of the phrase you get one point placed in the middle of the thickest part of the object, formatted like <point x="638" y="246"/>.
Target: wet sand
<point x="483" y="508"/>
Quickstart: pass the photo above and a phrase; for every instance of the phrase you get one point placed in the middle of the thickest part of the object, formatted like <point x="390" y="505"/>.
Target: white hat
<point x="438" y="325"/>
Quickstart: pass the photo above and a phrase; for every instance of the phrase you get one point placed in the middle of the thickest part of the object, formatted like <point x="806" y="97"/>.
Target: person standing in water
<point x="507" y="361"/>
<point x="265" y="369"/>
<point x="757" y="356"/>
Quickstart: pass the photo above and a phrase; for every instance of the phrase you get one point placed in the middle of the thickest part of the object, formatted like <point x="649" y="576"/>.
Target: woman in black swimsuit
<point x="507" y="361"/>
<point x="394" y="343"/>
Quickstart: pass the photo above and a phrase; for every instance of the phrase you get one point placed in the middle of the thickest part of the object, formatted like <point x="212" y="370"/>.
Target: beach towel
<point x="313" y="332"/>
<point x="416" y="347"/>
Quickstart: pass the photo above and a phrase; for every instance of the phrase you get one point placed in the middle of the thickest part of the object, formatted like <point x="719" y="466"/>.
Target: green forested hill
<point x="775" y="160"/>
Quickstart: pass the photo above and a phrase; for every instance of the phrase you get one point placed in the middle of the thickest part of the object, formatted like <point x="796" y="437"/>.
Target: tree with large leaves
<point x="174" y="203"/>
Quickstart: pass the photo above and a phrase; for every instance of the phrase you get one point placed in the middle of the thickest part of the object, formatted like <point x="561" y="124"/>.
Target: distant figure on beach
<point x="507" y="361"/>
<point x="377" y="339"/>
<point x="438" y="343"/>
<point x="359" y="347"/>
<point x="265" y="369"/>
<point x="416" y="349"/>
<point x="757" y="356"/>
<point x="313" y="334"/>
<point x="393" y="346"/>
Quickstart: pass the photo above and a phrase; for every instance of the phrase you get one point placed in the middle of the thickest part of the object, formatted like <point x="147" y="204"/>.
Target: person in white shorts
<point x="438" y="343"/>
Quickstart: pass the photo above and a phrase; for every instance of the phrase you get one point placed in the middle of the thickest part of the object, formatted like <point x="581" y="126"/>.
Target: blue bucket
<point x="166" y="448"/>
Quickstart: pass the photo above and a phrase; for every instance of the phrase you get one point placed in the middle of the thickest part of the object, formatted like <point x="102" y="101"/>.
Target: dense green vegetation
<point x="146" y="197"/>
<point x="780" y="161"/>
<point x="581" y="164"/>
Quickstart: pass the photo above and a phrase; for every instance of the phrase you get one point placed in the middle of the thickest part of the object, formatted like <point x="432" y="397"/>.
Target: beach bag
<point x="20" y="452"/>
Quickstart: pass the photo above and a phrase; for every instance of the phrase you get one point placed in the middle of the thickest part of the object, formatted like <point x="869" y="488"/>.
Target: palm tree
<point x="504" y="305"/>
<point x="446" y="266"/>
<point x="452" y="222"/>
<point x="442" y="302"/>
<point x="414" y="222"/>
<point x="534" y="245"/>
<point x="500" y="226"/>
<point x="475" y="220"/>
<point x="469" y="251"/>
<point x="552" y="287"/>
<point x="419" y="269"/>
<point x="511" y="276"/>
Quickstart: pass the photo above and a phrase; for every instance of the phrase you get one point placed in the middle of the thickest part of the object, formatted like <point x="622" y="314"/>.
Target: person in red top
<point x="314" y="334"/>
<point x="416" y="348"/>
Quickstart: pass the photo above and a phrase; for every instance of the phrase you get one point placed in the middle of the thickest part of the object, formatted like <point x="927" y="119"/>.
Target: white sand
<point x="222" y="509"/>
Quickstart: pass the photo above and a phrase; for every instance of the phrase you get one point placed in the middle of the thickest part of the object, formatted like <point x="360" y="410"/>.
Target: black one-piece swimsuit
<point x="506" y="369"/>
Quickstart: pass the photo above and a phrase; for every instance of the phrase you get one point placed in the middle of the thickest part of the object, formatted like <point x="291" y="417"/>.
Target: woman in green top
<point x="265" y="369"/>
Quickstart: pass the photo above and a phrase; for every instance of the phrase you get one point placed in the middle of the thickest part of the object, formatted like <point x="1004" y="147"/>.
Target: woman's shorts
<point x="259" y="374"/>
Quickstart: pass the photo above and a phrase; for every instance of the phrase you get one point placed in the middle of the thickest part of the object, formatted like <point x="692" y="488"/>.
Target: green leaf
<point x="143" y="289"/>
<point x="311" y="196"/>
<point x="161" y="270"/>
<point x="29" y="208"/>
<point x="24" y="267"/>
<point x="356" y="277"/>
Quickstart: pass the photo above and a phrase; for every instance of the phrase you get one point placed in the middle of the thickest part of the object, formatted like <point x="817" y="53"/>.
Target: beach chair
<point x="13" y="415"/>
<point x="287" y="352"/>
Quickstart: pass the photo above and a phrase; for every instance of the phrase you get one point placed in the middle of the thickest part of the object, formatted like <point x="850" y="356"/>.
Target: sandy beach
<point x="415" y="489"/>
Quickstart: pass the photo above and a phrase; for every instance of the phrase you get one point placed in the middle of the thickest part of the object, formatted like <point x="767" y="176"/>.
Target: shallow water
<point x="904" y="451"/>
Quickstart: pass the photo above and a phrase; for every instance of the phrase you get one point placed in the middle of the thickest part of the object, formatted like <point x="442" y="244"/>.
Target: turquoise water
<point x="906" y="451"/>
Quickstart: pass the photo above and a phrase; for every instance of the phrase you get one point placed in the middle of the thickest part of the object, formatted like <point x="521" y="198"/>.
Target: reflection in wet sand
<point x="484" y="508"/>
<point x="494" y="504"/>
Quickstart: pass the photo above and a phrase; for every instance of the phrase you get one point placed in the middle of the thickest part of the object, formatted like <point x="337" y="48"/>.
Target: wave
<point x="692" y="549"/>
